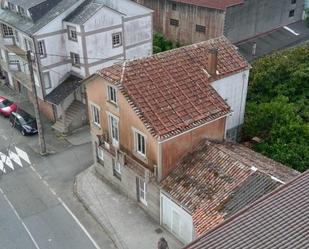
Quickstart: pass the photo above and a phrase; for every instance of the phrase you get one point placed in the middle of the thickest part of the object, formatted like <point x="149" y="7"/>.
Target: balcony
<point x="17" y="50"/>
<point x="127" y="158"/>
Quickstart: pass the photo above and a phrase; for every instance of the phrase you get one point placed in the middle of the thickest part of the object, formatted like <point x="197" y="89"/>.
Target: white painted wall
<point x="233" y="90"/>
<point x="168" y="210"/>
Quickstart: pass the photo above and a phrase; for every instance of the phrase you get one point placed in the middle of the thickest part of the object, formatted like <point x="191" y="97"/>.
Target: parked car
<point x="7" y="107"/>
<point x="24" y="122"/>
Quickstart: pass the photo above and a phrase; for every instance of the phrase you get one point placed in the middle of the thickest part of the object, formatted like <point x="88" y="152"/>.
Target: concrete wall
<point x="258" y="16"/>
<point x="189" y="16"/>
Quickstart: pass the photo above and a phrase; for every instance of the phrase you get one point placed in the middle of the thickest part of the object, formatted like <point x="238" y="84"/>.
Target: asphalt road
<point x="37" y="205"/>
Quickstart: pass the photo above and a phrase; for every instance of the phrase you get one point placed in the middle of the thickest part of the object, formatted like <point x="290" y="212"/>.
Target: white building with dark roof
<point x="71" y="40"/>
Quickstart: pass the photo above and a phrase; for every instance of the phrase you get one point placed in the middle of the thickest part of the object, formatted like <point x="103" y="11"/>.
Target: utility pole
<point x="36" y="105"/>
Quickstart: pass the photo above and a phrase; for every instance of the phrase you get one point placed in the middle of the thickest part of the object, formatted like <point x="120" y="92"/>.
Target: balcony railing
<point x="127" y="158"/>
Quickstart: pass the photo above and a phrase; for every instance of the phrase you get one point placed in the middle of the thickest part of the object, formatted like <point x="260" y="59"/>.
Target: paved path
<point x="37" y="206"/>
<point x="127" y="224"/>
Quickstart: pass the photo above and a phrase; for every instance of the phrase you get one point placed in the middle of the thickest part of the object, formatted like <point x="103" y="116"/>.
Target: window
<point x="142" y="191"/>
<point x="21" y="10"/>
<point x="174" y="6"/>
<point x="7" y="31"/>
<point x="293" y="1"/>
<point x="114" y="131"/>
<point x="46" y="79"/>
<point x="174" y="22"/>
<point x="72" y="34"/>
<point x="140" y="143"/>
<point x="75" y="60"/>
<point x="100" y="153"/>
<point x="200" y="28"/>
<point x="116" y="169"/>
<point x="95" y="111"/>
<point x="41" y="48"/>
<point x="28" y="45"/>
<point x="11" y="6"/>
<point x="291" y="13"/>
<point x="112" y="94"/>
<point x="117" y="40"/>
<point x="16" y="36"/>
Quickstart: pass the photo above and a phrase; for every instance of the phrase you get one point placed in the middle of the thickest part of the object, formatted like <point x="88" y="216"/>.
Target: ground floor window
<point x="100" y="154"/>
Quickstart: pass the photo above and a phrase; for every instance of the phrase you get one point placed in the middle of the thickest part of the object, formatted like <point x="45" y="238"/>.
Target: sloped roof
<point x="213" y="4"/>
<point x="213" y="184"/>
<point x="277" y="220"/>
<point x="171" y="91"/>
<point x="64" y="89"/>
<point x="84" y="12"/>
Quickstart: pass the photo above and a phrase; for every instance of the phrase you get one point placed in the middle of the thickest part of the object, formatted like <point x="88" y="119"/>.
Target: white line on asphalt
<point x="4" y="137"/>
<point x="78" y="222"/>
<point x="68" y="210"/>
<point x="20" y="219"/>
<point x="290" y="30"/>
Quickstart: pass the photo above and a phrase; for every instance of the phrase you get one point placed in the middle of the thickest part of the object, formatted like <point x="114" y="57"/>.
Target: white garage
<point x="176" y="219"/>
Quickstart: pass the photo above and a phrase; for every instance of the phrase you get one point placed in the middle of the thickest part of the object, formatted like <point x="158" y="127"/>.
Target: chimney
<point x="213" y="61"/>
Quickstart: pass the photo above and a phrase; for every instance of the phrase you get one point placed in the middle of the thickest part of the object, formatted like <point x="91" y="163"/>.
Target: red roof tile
<point x="212" y="183"/>
<point x="170" y="91"/>
<point x="213" y="4"/>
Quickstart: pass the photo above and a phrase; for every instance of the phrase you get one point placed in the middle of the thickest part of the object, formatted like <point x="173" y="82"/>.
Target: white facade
<point x="93" y="49"/>
<point x="233" y="90"/>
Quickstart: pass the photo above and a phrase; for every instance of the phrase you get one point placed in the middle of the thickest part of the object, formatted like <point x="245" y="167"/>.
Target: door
<point x="175" y="222"/>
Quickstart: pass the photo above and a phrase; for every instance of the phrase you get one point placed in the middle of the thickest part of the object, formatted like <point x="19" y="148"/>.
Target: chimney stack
<point x="213" y="61"/>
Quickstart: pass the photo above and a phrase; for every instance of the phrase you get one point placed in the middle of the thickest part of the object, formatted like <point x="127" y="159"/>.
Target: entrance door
<point x="175" y="222"/>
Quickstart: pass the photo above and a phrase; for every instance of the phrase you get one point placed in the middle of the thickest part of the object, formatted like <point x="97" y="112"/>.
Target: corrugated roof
<point x="213" y="184"/>
<point x="278" y="220"/>
<point x="171" y="91"/>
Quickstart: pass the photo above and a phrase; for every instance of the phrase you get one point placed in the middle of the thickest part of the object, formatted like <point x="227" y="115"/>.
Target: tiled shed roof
<point x="213" y="4"/>
<point x="171" y="91"/>
<point x="213" y="184"/>
<point x="277" y="220"/>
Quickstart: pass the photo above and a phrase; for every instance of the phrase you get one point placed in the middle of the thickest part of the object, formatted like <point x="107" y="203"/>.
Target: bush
<point x="161" y="44"/>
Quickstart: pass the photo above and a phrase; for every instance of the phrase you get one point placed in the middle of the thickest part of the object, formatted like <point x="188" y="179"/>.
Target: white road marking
<point x="80" y="224"/>
<point x="2" y="167"/>
<point x="6" y="160"/>
<point x="290" y="30"/>
<point x="22" y="154"/>
<point x="14" y="157"/>
<point x="19" y="218"/>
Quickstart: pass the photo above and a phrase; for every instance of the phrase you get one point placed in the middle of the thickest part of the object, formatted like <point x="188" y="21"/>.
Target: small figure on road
<point x="162" y="244"/>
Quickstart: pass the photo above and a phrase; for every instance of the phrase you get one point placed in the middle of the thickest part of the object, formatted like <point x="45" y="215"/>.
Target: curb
<point x="78" y="193"/>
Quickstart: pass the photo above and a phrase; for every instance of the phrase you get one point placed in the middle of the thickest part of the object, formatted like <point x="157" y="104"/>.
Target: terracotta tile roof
<point x="213" y="4"/>
<point x="170" y="91"/>
<point x="213" y="184"/>
<point x="277" y="220"/>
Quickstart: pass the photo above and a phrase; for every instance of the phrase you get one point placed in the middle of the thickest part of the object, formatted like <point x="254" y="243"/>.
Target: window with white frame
<point x="7" y="31"/>
<point x="142" y="190"/>
<point x="95" y="111"/>
<point x="117" y="40"/>
<point x="114" y="130"/>
<point x="112" y="94"/>
<point x="41" y="48"/>
<point x="72" y="34"/>
<point x="100" y="153"/>
<point x="11" y="6"/>
<point x="140" y="143"/>
<point x="28" y="45"/>
<point x="75" y="59"/>
<point x="16" y="36"/>
<point x="116" y="169"/>
<point x="47" y="80"/>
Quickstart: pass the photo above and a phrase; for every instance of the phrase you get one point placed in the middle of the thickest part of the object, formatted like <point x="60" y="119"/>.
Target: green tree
<point x="278" y="107"/>
<point x="161" y="44"/>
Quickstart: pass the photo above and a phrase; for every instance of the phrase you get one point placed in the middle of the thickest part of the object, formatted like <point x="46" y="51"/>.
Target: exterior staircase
<point x="73" y="118"/>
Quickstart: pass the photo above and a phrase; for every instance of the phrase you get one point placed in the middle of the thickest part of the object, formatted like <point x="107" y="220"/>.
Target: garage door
<point x="176" y="219"/>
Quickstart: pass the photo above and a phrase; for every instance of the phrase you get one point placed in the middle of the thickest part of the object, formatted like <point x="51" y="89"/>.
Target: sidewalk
<point x="125" y="222"/>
